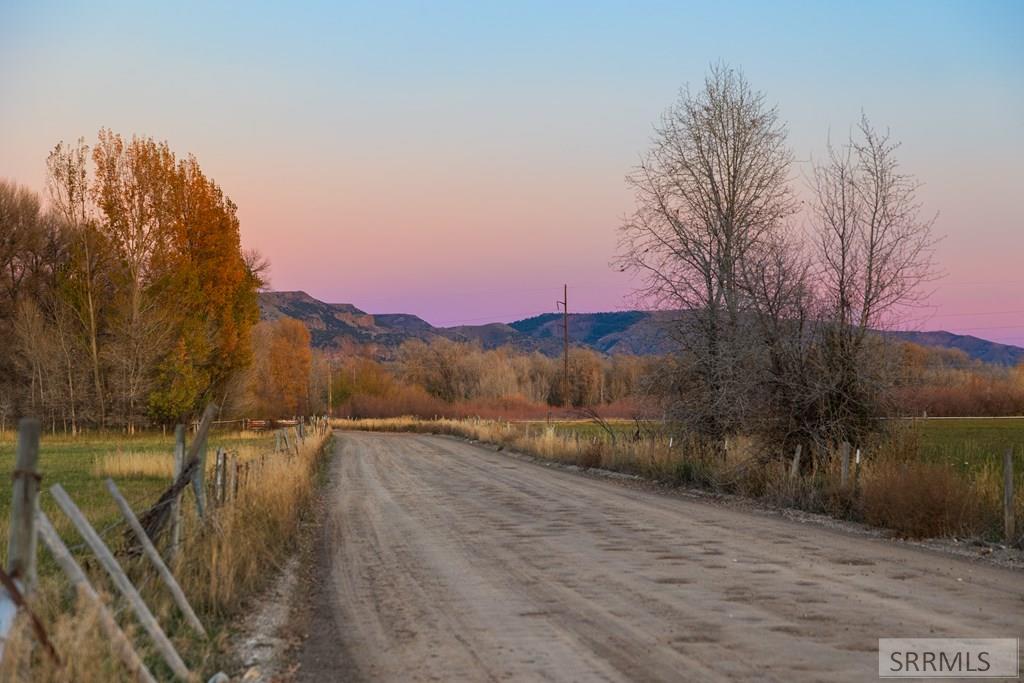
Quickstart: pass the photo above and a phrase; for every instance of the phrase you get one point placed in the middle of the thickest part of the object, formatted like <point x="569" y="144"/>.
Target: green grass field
<point x="971" y="441"/>
<point x="70" y="461"/>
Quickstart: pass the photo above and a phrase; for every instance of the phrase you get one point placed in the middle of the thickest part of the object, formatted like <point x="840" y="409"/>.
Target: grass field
<point x="73" y="463"/>
<point x="965" y="440"/>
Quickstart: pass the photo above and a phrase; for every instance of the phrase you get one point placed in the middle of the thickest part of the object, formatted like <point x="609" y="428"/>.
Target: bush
<point x="921" y="499"/>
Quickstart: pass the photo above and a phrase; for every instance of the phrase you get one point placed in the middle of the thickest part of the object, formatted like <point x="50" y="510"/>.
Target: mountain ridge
<point x="340" y="326"/>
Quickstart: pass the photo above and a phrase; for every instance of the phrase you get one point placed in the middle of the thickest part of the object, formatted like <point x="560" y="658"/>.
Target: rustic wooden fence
<point x="28" y="523"/>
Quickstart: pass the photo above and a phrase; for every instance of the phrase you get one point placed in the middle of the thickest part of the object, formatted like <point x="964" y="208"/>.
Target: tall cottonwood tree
<point x="84" y="279"/>
<point x="712" y="195"/>
<point x="133" y="190"/>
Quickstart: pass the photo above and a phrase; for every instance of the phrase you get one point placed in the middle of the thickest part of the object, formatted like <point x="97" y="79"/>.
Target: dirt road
<point x="444" y="561"/>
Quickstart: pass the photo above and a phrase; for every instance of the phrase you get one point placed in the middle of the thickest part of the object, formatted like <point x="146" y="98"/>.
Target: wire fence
<point x="142" y="527"/>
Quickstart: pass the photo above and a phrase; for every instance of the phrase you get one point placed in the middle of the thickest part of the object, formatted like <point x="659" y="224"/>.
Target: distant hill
<point x="336" y="326"/>
<point x="975" y="347"/>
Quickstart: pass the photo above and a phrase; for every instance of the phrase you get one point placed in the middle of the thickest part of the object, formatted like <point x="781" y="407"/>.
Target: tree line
<point x="126" y="297"/>
<point x="450" y="378"/>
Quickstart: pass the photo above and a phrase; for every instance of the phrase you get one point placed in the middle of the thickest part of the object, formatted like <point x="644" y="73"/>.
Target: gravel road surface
<point x="445" y="561"/>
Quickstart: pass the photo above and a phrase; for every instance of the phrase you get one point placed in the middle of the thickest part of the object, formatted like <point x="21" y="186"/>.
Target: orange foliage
<point x="280" y="382"/>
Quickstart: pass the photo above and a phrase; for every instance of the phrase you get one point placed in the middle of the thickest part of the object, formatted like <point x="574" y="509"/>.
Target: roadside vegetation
<point x="899" y="484"/>
<point x="128" y="305"/>
<point x="220" y="563"/>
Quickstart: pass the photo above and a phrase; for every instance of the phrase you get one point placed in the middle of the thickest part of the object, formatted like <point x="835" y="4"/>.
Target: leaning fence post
<point x="1009" y="525"/>
<point x="121" y="580"/>
<point x="21" y="544"/>
<point x="794" y="469"/>
<point x="284" y="435"/>
<point x="154" y="557"/>
<point x="844" y="463"/>
<point x="77" y="577"/>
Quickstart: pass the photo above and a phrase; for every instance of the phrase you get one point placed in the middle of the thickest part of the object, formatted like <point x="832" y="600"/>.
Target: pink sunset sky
<point x="461" y="163"/>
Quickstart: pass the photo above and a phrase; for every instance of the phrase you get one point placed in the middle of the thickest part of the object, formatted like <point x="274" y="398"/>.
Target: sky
<point x="461" y="161"/>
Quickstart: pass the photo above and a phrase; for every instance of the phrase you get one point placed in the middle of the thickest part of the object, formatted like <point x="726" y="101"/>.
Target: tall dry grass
<point x="251" y="533"/>
<point x="894" y="487"/>
<point x="128" y="464"/>
<point x="221" y="563"/>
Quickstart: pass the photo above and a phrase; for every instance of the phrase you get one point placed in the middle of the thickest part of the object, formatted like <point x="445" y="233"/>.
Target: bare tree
<point x="712" y="194"/>
<point x="873" y="252"/>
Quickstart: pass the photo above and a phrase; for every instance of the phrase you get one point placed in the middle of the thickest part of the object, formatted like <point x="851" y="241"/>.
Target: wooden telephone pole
<point x="330" y="387"/>
<point x="564" y="303"/>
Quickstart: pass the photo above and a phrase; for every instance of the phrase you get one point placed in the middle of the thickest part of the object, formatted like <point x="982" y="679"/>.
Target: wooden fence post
<point x="218" y="477"/>
<point x="199" y="476"/>
<point x="21" y="546"/>
<point x="1009" y="523"/>
<point x="794" y="469"/>
<point x="154" y="557"/>
<point x="844" y="463"/>
<point x="179" y="464"/>
<point x="78" y="580"/>
<point x="21" y="543"/>
<point x="123" y="583"/>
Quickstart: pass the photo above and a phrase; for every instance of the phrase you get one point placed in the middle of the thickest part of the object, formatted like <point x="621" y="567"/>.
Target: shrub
<point x="920" y="499"/>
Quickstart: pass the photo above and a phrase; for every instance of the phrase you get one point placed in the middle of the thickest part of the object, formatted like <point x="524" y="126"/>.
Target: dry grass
<point x="123" y="464"/>
<point x="920" y="499"/>
<point x="246" y="542"/>
<point x="133" y="464"/>
<point x="896" y="488"/>
<point x="221" y="563"/>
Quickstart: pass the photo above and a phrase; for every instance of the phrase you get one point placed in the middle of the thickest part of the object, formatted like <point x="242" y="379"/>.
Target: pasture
<point x="140" y="465"/>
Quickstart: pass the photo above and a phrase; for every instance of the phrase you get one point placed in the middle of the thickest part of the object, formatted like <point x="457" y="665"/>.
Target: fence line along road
<point x="26" y="521"/>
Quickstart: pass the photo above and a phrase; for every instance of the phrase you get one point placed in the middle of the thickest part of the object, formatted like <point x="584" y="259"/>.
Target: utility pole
<point x="330" y="387"/>
<point x="564" y="303"/>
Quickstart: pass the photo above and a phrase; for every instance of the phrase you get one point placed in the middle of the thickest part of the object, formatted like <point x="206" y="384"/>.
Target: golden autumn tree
<point x="185" y="299"/>
<point x="213" y="293"/>
<point x="280" y="373"/>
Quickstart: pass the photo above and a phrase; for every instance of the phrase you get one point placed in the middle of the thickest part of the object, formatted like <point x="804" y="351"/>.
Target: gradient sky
<point x="461" y="161"/>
